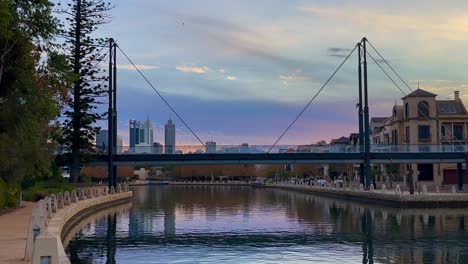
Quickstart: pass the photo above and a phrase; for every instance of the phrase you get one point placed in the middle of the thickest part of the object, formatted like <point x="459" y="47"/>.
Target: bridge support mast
<point x="114" y="106"/>
<point x="366" y="118"/>
<point x="110" y="121"/>
<point x="460" y="176"/>
<point x="360" y="114"/>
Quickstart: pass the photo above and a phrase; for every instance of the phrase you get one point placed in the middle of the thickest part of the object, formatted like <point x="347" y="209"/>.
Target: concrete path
<point x="13" y="234"/>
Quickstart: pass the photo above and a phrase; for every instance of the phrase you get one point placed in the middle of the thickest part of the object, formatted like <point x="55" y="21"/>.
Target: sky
<point x="240" y="71"/>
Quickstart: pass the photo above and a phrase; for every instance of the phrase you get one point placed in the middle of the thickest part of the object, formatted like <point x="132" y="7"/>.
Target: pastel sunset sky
<point x="239" y="71"/>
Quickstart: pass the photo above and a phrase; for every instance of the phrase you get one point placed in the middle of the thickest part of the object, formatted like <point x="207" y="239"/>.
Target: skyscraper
<point x="169" y="137"/>
<point x="141" y="136"/>
<point x="210" y="147"/>
<point x="101" y="139"/>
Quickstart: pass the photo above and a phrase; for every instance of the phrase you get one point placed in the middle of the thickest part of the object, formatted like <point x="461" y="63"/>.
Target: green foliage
<point x="85" y="178"/>
<point x="31" y="90"/>
<point x="45" y="188"/>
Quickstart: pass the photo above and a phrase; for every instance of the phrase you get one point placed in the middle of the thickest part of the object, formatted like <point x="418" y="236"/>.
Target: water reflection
<point x="235" y="224"/>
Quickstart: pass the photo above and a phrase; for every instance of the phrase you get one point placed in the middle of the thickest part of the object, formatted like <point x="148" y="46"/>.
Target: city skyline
<point x="250" y="67"/>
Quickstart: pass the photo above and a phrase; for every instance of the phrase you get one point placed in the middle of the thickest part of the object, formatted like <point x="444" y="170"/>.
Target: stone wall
<point x="52" y="213"/>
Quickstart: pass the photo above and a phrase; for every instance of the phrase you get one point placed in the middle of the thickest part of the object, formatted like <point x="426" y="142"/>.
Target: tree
<point x="79" y="127"/>
<point x="30" y="91"/>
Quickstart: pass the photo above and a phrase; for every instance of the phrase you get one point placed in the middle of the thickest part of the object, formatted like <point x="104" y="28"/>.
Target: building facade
<point x="169" y="137"/>
<point x="210" y="147"/>
<point x="141" y="136"/>
<point x="420" y="124"/>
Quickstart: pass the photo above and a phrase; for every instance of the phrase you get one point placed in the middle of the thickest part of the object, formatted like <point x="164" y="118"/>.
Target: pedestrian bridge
<point x="258" y="154"/>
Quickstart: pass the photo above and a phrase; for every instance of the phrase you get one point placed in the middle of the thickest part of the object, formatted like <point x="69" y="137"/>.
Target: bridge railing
<point x="229" y="149"/>
<point x="258" y="149"/>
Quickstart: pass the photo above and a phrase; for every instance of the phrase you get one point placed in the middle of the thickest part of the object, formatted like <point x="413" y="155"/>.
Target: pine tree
<point x="79" y="129"/>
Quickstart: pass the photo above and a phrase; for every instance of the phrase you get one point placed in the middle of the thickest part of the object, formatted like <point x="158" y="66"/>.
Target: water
<point x="235" y="224"/>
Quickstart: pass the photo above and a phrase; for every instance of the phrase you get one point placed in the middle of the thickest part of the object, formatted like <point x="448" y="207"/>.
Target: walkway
<point x="13" y="233"/>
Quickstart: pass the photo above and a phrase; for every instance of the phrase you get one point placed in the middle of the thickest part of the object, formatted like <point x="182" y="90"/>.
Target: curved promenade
<point x="52" y="214"/>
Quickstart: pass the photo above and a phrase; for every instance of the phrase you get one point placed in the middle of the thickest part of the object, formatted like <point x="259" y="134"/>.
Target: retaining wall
<point x="51" y="214"/>
<point x="389" y="198"/>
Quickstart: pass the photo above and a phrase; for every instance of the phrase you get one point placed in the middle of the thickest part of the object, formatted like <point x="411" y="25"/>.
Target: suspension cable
<point x="161" y="96"/>
<point x="312" y="99"/>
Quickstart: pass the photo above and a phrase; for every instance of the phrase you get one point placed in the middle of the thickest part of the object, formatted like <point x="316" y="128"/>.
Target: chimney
<point x="457" y="95"/>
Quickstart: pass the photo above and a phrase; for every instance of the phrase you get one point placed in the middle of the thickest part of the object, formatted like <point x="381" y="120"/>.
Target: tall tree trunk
<point x="76" y="142"/>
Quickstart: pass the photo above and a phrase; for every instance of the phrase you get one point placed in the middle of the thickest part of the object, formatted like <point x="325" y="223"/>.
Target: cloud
<point x="292" y="78"/>
<point x="231" y="78"/>
<point x="192" y="69"/>
<point x="440" y="26"/>
<point x="142" y="67"/>
<point x="338" y="52"/>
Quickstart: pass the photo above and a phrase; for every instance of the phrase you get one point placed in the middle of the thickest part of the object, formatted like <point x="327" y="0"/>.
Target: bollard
<point x="384" y="188"/>
<point x="53" y="203"/>
<point x="372" y="187"/>
<point x="454" y="190"/>
<point x="119" y="188"/>
<point x="397" y="190"/>
<point x="361" y="187"/>
<point x="112" y="190"/>
<point x="424" y="189"/>
<point x="48" y="206"/>
<point x="73" y="198"/>
<point x="437" y="189"/>
<point x="66" y="198"/>
<point x="59" y="200"/>
<point x="80" y="194"/>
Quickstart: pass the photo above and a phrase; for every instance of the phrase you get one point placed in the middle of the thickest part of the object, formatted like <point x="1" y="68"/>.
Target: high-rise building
<point x="134" y="133"/>
<point x="210" y="147"/>
<point x="157" y="148"/>
<point x="102" y="139"/>
<point x="141" y="136"/>
<point x="169" y="137"/>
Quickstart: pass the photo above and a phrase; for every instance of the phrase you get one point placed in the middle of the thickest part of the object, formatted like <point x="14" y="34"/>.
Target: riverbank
<point x="213" y="183"/>
<point x="392" y="198"/>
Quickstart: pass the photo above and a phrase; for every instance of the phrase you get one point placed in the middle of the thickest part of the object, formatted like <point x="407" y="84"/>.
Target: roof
<point x="419" y="93"/>
<point x="341" y="140"/>
<point x="454" y="107"/>
<point x="379" y="119"/>
<point x="353" y="135"/>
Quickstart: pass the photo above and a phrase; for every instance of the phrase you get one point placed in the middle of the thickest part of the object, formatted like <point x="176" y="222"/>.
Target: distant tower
<point x="141" y="136"/>
<point x="101" y="139"/>
<point x="169" y="137"/>
<point x="134" y="133"/>
<point x="210" y="147"/>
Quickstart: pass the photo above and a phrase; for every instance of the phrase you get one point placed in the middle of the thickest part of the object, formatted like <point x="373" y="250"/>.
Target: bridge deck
<point x="275" y="158"/>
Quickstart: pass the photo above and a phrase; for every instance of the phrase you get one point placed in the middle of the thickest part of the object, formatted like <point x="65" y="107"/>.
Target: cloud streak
<point x="192" y="69"/>
<point x="142" y="67"/>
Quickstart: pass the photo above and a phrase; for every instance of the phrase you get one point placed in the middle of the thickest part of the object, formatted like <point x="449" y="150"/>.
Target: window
<point x="406" y="110"/>
<point x="423" y="109"/>
<point x="407" y="134"/>
<point x="424" y="133"/>
<point x="395" y="137"/>
<point x="46" y="259"/>
<point x="458" y="132"/>
<point x="426" y="172"/>
<point x="443" y="131"/>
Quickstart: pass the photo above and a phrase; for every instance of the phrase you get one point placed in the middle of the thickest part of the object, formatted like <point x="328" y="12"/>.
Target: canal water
<point x="240" y="224"/>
